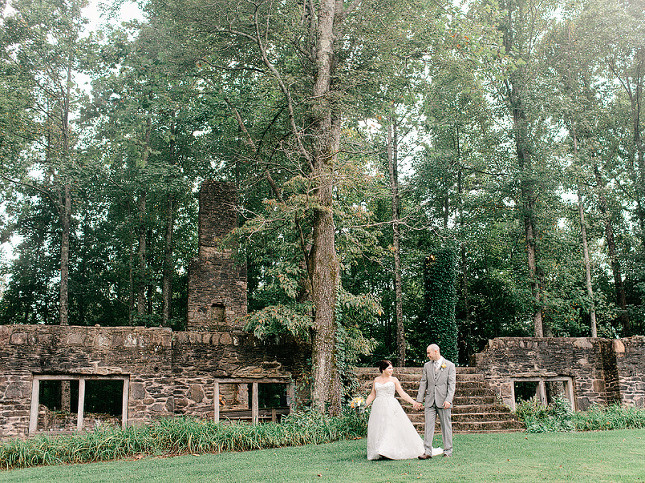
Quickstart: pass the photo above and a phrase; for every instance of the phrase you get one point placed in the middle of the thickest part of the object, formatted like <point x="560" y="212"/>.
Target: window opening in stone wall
<point x="555" y="390"/>
<point x="103" y="403"/>
<point x="271" y="395"/>
<point x="544" y="389"/>
<point x="252" y="401"/>
<point x="525" y="390"/>
<point x="65" y="403"/>
<point x="217" y="314"/>
<point x="58" y="405"/>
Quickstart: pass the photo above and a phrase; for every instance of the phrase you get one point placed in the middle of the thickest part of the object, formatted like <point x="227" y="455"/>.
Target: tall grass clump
<point x="609" y="417"/>
<point x="180" y="436"/>
<point x="558" y="416"/>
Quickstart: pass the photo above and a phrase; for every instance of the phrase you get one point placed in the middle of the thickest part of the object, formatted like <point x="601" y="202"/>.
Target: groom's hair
<point x="384" y="364"/>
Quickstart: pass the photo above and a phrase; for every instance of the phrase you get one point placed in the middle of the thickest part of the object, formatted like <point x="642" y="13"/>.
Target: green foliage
<point x="275" y="322"/>
<point x="181" y="436"/>
<point x="441" y="299"/>
<point x="558" y="416"/>
<point x="609" y="417"/>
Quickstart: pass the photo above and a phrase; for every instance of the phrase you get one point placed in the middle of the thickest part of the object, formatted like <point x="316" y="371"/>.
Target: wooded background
<point x="366" y="138"/>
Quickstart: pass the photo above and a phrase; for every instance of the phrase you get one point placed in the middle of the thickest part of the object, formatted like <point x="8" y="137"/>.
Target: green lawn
<point x="587" y="456"/>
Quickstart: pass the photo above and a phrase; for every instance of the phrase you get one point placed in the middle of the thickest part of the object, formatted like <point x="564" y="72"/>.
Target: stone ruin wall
<point x="603" y="371"/>
<point x="199" y="358"/>
<point x="143" y="354"/>
<point x="170" y="373"/>
<point x="630" y="363"/>
<point x="173" y="373"/>
<point x="217" y="284"/>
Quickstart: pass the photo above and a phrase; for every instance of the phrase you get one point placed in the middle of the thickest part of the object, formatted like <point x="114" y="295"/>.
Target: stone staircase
<point x="475" y="406"/>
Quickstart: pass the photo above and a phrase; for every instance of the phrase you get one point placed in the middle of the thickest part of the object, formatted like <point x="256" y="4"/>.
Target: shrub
<point x="558" y="416"/>
<point x="179" y="436"/>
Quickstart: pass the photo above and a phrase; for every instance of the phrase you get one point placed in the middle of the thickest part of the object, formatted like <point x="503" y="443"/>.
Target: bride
<point x="390" y="434"/>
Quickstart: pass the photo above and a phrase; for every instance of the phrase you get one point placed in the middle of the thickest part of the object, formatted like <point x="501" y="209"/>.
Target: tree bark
<point x="65" y="216"/>
<point x="527" y="195"/>
<point x="142" y="249"/>
<point x="585" y="249"/>
<point x="515" y="88"/>
<point x="166" y="283"/>
<point x="65" y="209"/>
<point x="585" y="254"/>
<point x="141" y="256"/>
<point x="392" y="158"/>
<point x="324" y="267"/>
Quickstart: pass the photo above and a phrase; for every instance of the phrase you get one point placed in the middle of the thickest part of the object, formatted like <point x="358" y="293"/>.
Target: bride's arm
<point x="402" y="393"/>
<point x="371" y="397"/>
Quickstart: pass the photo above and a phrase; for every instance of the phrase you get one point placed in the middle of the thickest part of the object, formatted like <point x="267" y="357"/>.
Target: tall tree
<point x="44" y="38"/>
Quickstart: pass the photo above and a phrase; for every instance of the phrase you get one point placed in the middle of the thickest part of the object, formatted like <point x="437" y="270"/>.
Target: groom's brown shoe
<point x="425" y="456"/>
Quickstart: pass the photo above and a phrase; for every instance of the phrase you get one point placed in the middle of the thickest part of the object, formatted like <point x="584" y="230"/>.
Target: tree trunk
<point x="65" y="215"/>
<point x="585" y="247"/>
<point x="166" y="284"/>
<point x="621" y="300"/>
<point x="392" y="158"/>
<point x="527" y="194"/>
<point x="324" y="267"/>
<point x="142" y="249"/>
<point x="66" y="203"/>
<point x="141" y="257"/>
<point x="635" y="95"/>
<point x="585" y="254"/>
<point x="131" y="300"/>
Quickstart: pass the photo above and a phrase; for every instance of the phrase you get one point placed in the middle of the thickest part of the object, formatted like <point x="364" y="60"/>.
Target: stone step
<point x="476" y="407"/>
<point x="418" y="417"/>
<point x="414" y="385"/>
<point x="478" y="427"/>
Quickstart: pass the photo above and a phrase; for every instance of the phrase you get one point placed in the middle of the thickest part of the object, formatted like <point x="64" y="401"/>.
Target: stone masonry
<point x="602" y="371"/>
<point x="170" y="373"/>
<point x="217" y="284"/>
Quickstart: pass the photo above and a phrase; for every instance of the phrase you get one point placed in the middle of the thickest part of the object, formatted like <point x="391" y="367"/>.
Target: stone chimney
<point x="216" y="284"/>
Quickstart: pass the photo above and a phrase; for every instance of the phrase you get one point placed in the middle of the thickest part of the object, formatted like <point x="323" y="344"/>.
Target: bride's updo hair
<point x="384" y="364"/>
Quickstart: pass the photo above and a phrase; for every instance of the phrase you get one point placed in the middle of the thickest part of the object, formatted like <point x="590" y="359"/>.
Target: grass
<point x="571" y="456"/>
<point x="175" y="436"/>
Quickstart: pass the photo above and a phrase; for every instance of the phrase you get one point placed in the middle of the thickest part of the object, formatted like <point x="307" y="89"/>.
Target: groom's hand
<point x="417" y="405"/>
<point x="446" y="404"/>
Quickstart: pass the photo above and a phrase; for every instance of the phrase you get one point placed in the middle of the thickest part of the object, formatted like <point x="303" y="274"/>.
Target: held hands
<point x="417" y="405"/>
<point x="446" y="404"/>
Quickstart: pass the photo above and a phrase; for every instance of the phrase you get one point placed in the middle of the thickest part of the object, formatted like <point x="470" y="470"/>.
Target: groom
<point x="437" y="388"/>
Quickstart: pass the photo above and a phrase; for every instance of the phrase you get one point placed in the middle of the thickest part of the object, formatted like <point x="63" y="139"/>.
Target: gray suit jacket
<point x="436" y="388"/>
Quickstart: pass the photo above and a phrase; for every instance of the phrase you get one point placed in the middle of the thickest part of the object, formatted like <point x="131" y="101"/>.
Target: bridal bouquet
<point x="357" y="404"/>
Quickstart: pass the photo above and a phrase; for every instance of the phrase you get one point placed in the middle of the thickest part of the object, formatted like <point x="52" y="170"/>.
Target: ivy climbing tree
<point x="440" y="301"/>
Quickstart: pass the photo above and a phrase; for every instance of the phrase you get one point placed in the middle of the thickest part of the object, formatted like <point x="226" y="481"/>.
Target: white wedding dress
<point x="390" y="433"/>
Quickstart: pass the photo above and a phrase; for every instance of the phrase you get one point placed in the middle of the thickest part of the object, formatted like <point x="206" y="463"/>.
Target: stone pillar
<point x="216" y="283"/>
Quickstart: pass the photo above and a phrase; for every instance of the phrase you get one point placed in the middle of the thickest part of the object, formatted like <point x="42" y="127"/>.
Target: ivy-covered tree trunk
<point x="441" y="300"/>
<point x="392" y="158"/>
